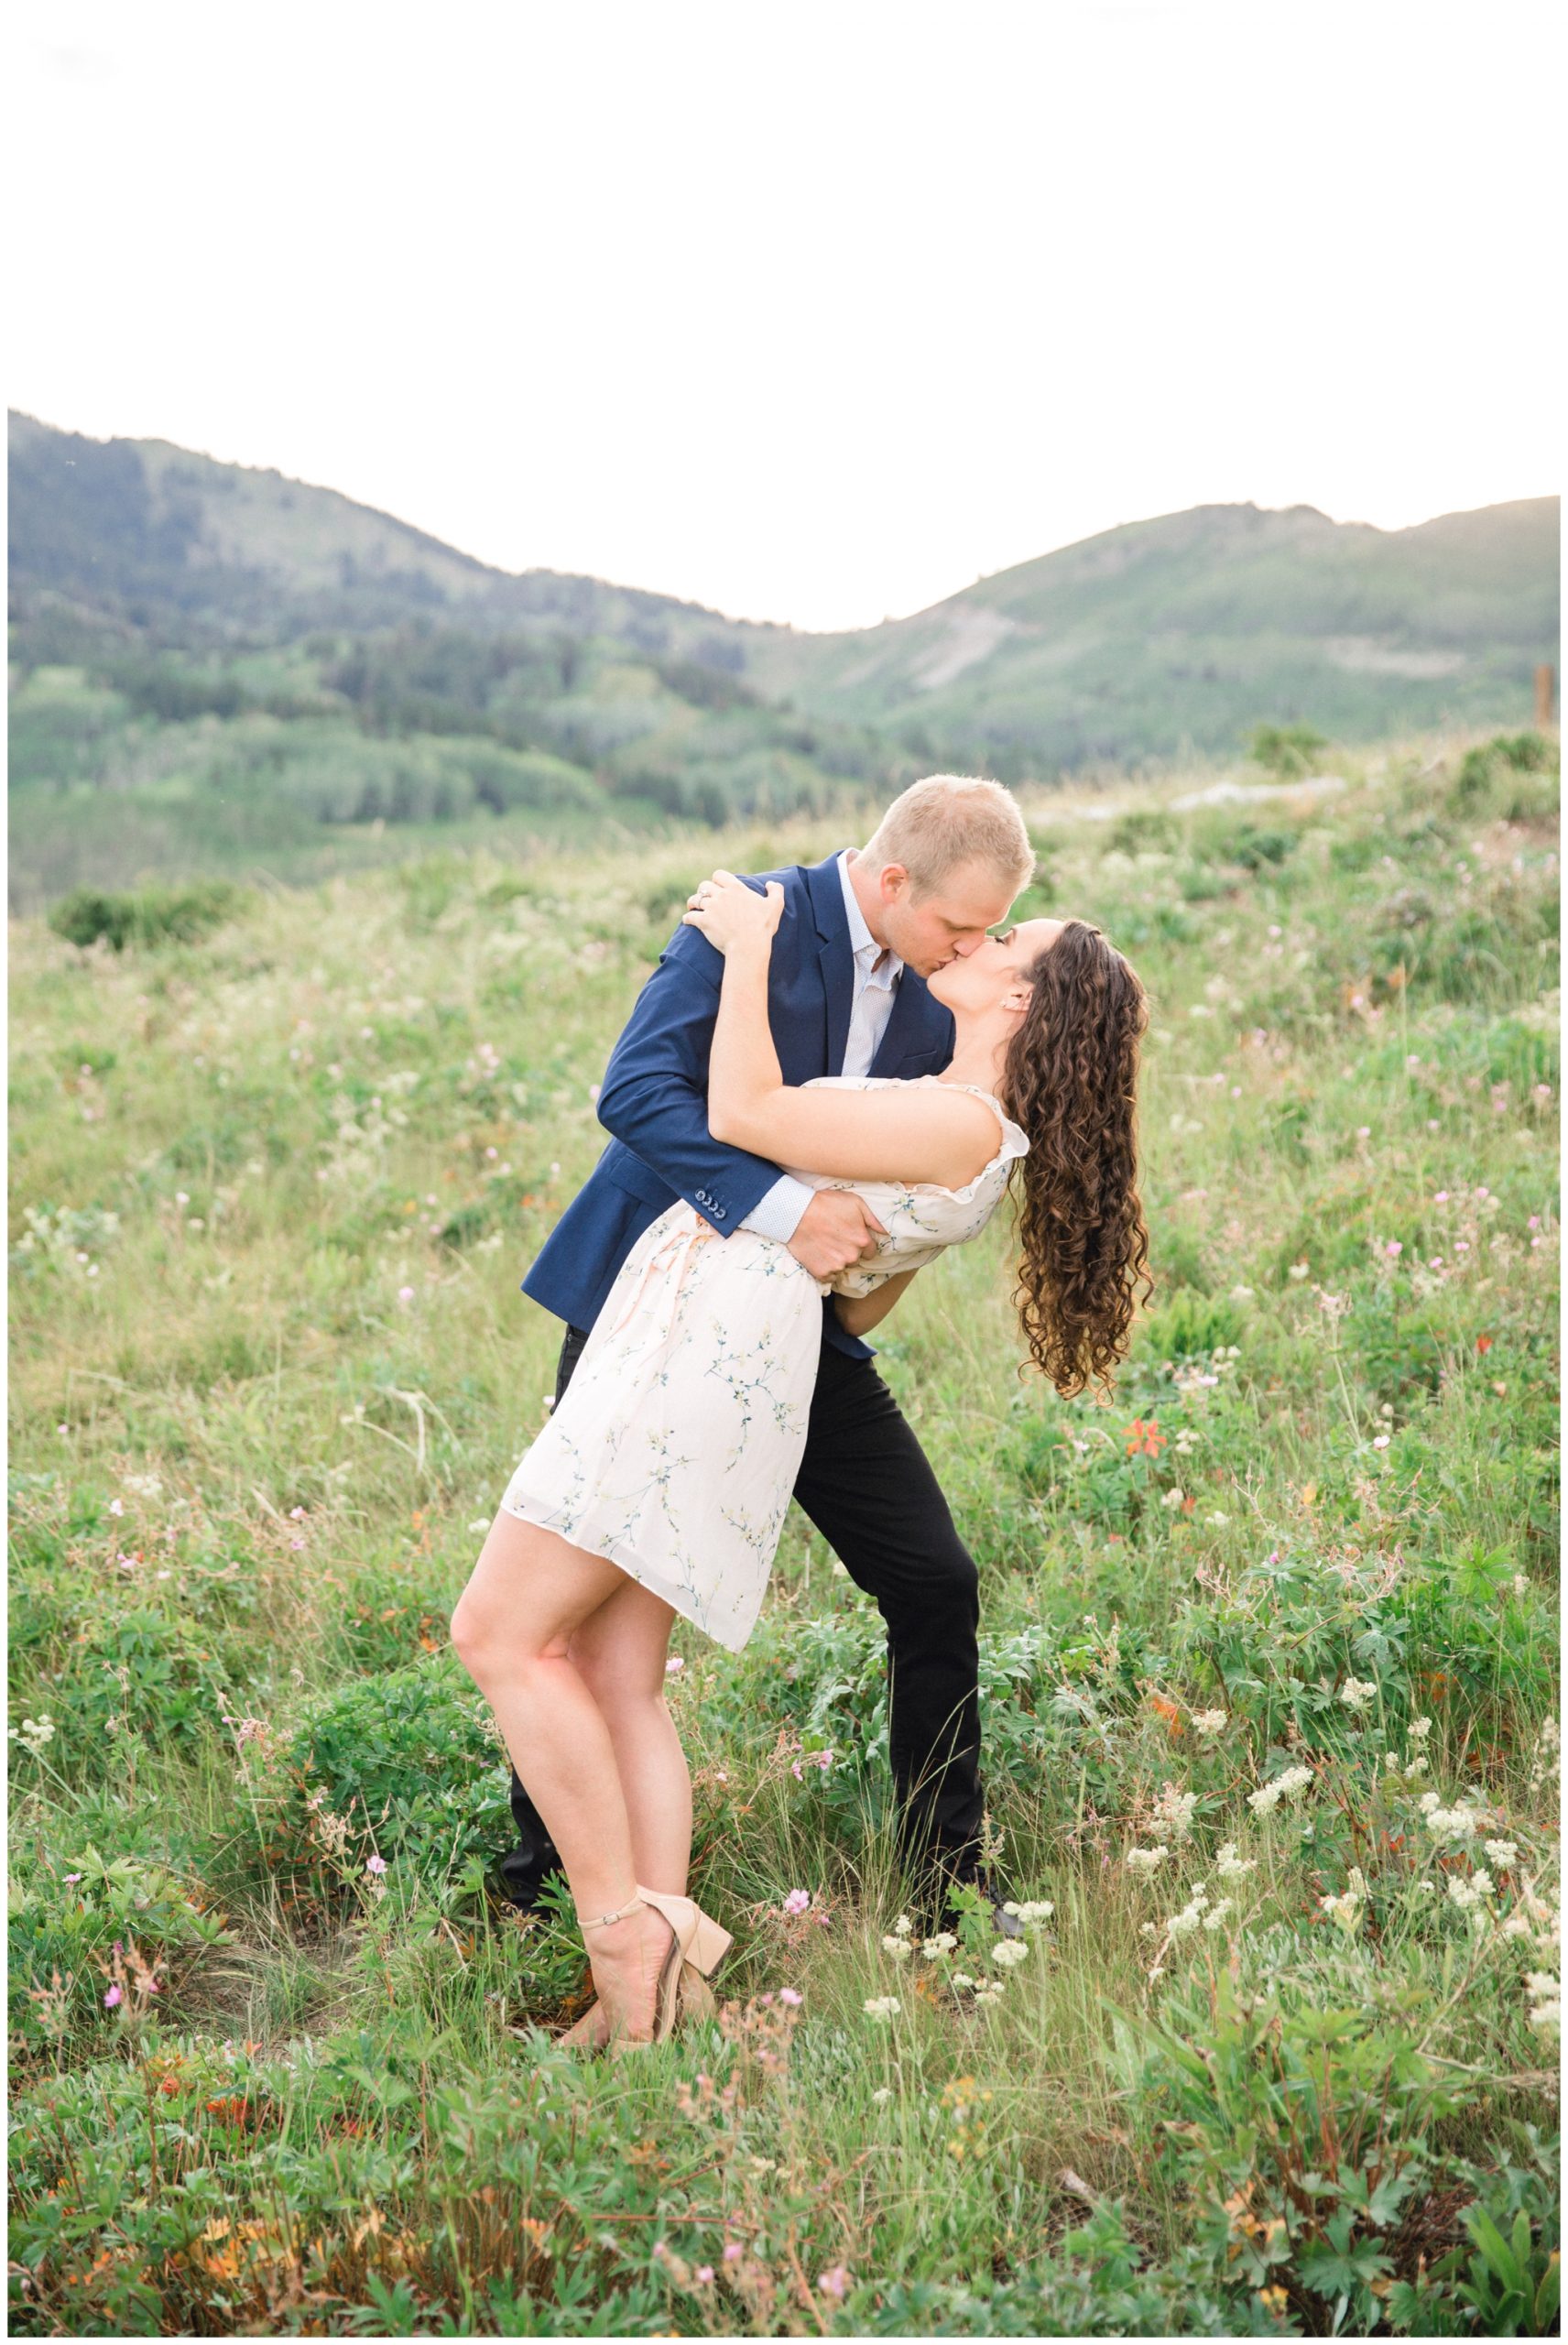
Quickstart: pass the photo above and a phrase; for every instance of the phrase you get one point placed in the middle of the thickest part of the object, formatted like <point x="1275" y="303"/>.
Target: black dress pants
<point x="865" y="1483"/>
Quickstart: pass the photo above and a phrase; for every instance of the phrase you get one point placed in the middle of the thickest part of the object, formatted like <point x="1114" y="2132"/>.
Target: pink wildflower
<point x="797" y="1901"/>
<point x="790" y="1995"/>
<point x="375" y="1864"/>
<point x="834" y="2283"/>
<point x="113" y="1997"/>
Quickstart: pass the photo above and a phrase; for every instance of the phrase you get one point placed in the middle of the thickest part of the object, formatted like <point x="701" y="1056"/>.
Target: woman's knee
<point x="619" y="1680"/>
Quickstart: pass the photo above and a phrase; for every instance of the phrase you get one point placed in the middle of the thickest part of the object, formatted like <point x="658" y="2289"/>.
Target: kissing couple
<point x="833" y="1073"/>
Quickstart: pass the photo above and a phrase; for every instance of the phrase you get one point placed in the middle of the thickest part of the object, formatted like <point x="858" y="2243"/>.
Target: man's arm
<point x="654" y="1099"/>
<point x="654" y="1094"/>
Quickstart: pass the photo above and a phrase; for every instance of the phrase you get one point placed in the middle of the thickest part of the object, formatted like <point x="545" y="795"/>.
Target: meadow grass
<point x="1270" y="1657"/>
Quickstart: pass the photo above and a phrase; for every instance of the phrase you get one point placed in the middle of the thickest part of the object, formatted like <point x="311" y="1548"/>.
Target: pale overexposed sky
<point x="810" y="309"/>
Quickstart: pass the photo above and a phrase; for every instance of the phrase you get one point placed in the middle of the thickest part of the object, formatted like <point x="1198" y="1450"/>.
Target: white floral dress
<point x="675" y="1446"/>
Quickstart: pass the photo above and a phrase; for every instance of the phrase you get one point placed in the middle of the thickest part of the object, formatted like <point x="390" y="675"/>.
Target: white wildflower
<point x="1284" y="1786"/>
<point x="896" y="1947"/>
<point x="1230" y="1867"/>
<point x="1208" y="1721"/>
<point x="1503" y="1853"/>
<point x="882" y="2007"/>
<point x="1145" y="1860"/>
<point x="932" y="1948"/>
<point x="1419" y="1730"/>
<point x="1172" y="1817"/>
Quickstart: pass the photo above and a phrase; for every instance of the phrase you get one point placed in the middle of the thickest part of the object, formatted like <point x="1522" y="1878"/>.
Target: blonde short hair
<point x="950" y="819"/>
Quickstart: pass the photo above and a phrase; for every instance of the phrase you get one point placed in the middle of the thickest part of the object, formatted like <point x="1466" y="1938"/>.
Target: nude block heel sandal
<point x="697" y="1945"/>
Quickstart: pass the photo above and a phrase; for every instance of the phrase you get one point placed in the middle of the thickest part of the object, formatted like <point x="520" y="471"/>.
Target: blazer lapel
<point x="833" y="953"/>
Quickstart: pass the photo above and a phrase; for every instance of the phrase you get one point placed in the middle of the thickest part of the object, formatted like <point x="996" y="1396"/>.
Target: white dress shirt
<point x="878" y="968"/>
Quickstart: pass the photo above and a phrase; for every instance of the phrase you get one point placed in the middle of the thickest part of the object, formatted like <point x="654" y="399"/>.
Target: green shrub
<point x="1285" y="749"/>
<point x="408" y="1760"/>
<point x="1189" y="1325"/>
<point x="62" y="1931"/>
<point x="149" y="916"/>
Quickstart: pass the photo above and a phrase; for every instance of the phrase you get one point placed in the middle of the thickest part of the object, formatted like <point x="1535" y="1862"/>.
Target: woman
<point x="659" y="1485"/>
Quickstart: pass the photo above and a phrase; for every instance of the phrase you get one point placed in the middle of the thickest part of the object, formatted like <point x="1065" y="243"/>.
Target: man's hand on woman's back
<point x="836" y="1230"/>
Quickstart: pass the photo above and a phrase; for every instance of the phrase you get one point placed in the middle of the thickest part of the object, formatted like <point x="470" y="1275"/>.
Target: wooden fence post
<point x="1545" y="694"/>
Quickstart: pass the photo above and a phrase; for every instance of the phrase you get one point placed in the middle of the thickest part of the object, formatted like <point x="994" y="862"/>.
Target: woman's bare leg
<point x="513" y="1627"/>
<point x="620" y="1653"/>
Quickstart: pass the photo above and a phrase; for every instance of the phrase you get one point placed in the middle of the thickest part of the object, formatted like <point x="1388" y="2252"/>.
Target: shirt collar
<point x="862" y="943"/>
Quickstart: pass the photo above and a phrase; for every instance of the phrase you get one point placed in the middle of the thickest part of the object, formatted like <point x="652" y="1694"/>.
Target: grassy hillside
<point x="1269" y="1667"/>
<point x="1187" y="630"/>
<point x="214" y="668"/>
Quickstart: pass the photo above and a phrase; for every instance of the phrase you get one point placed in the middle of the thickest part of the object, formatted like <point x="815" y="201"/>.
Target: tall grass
<point x="1270" y="1668"/>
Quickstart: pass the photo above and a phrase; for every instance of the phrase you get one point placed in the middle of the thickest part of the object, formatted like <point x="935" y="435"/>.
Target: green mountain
<point x="1188" y="630"/>
<point x="215" y="667"/>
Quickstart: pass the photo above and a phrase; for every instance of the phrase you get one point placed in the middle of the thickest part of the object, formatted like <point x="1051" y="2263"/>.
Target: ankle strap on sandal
<point x="595" y="1921"/>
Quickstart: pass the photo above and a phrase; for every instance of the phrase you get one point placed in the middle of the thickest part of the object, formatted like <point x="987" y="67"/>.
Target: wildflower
<point x="1214" y="1917"/>
<point x="961" y="1979"/>
<point x="1299" y="1271"/>
<point x="733" y="2251"/>
<point x="1503" y="1853"/>
<point x="1357" y="1692"/>
<point x="1172" y="1817"/>
<point x="111" y="1997"/>
<point x="1230" y="1867"/>
<point x="116" y="1506"/>
<point x="1465" y="1894"/>
<point x="1284" y="1786"/>
<point x="1147" y="1438"/>
<point x="791" y="1996"/>
<point x="883" y="2094"/>
<point x="405" y="1294"/>
<point x="1394" y="1247"/>
<point x="1146" y="1859"/>
<point x="944" y="1943"/>
<point x="903" y="1926"/>
<point x="674" y="1665"/>
<point x="1344" y="1911"/>
<point x="834" y="2283"/>
<point x="1448" y="1823"/>
<point x="705" y="2275"/>
<point x="1419" y="1730"/>
<point x="1006" y="1951"/>
<point x="797" y="1901"/>
<point x="882" y="2007"/>
<point x="898" y="1947"/>
<point x="1380" y="1441"/>
<point x="1521" y="1584"/>
<point x="1033" y="1911"/>
<point x="1208" y="1721"/>
<point x="72" y="1876"/>
<point x="375" y="1864"/>
<point x="34" y="1733"/>
<point x="1172" y="1497"/>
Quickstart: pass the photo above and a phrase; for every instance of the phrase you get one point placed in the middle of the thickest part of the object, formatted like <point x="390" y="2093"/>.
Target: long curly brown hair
<point x="1070" y="1079"/>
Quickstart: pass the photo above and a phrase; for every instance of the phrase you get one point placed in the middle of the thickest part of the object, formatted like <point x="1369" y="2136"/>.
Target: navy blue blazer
<point x="654" y="1096"/>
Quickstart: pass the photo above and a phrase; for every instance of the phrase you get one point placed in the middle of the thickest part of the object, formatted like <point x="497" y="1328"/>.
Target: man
<point x="846" y="995"/>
